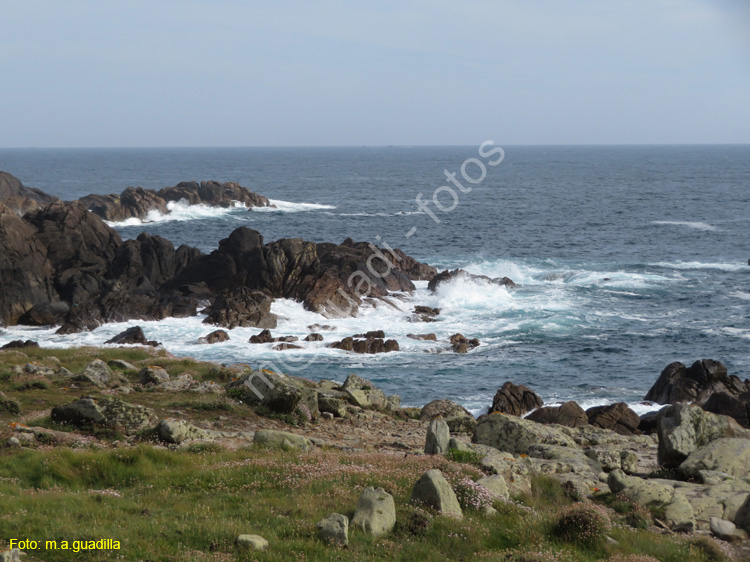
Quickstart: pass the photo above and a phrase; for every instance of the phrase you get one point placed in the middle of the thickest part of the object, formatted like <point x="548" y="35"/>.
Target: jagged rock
<point x="110" y="412"/>
<point x="460" y="274"/>
<point x="177" y="431"/>
<point x="425" y="314"/>
<point x="433" y="490"/>
<point x="277" y="392"/>
<point x="371" y="345"/>
<point x="20" y="344"/>
<point x="438" y="436"/>
<point x="19" y="198"/>
<point x="684" y="428"/>
<point x="313" y="337"/>
<point x="252" y="542"/>
<point x="375" y="513"/>
<point x="515" y="435"/>
<point x="241" y="307"/>
<point x="363" y="393"/>
<point x="458" y="418"/>
<point x="372" y="334"/>
<point x="97" y="373"/>
<point x="617" y="417"/>
<point x="217" y="336"/>
<point x="726" y="455"/>
<point x="334" y="529"/>
<point x="515" y="400"/>
<point x="134" y="336"/>
<point x="45" y="314"/>
<point x="282" y="440"/>
<point x="569" y="414"/>
<point x="462" y="344"/>
<point x="152" y="375"/>
<point x="263" y="337"/>
<point x="422" y="337"/>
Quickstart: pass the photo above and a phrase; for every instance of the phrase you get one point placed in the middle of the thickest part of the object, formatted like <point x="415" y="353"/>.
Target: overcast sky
<point x="401" y="72"/>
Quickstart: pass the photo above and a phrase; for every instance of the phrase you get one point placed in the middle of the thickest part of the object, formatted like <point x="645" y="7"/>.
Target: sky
<point x="393" y="72"/>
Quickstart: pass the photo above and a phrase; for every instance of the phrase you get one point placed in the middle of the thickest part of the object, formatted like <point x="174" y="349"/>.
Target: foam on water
<point x="180" y="211"/>
<point x="687" y="265"/>
<point x="689" y="224"/>
<point x="290" y="207"/>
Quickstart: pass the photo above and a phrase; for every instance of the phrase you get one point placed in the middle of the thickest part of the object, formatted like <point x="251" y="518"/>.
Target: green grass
<point x="165" y="505"/>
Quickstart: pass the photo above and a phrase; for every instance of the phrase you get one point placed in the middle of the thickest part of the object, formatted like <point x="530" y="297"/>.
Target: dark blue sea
<point x="626" y="258"/>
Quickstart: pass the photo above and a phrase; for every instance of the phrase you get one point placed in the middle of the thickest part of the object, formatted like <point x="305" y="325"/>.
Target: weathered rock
<point x="152" y="375"/>
<point x="45" y="314"/>
<point x="279" y="393"/>
<point x="333" y="402"/>
<point x="334" y="529"/>
<point x="458" y="418"/>
<point x="495" y="484"/>
<point x="132" y="336"/>
<point x="313" y="337"/>
<point x="462" y="344"/>
<point x="375" y="514"/>
<point x="282" y="440"/>
<point x="514" y="435"/>
<point x="20" y="344"/>
<point x="19" y="198"/>
<point x="727" y="455"/>
<point x="684" y="428"/>
<point x="618" y="417"/>
<point x="363" y="393"/>
<point x="742" y="517"/>
<point x="438" y="436"/>
<point x="726" y="530"/>
<point x="462" y="275"/>
<point x="285" y="346"/>
<point x="217" y="336"/>
<point x="105" y="411"/>
<point x="433" y="490"/>
<point x="120" y="364"/>
<point x="263" y="337"/>
<point x="252" y="542"/>
<point x="178" y="431"/>
<point x="569" y="414"/>
<point x="97" y="373"/>
<point x="241" y="307"/>
<point x="645" y="492"/>
<point x="515" y="400"/>
<point x="736" y="407"/>
<point x="370" y="345"/>
<point x="422" y="337"/>
<point x="12" y="555"/>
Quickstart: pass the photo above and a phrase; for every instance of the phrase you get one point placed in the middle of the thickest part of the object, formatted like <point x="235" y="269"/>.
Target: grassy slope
<point x="191" y="504"/>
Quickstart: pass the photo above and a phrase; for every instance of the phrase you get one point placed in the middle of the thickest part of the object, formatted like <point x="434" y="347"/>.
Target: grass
<point x="165" y="505"/>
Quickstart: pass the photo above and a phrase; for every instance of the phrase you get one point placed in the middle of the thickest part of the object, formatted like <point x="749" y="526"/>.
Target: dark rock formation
<point x="370" y="345"/>
<point x="263" y="337"/>
<point x="617" y="417"/>
<point x="568" y="414"/>
<point x="371" y="334"/>
<point x="706" y="384"/>
<point x="460" y="274"/>
<point x="217" y="336"/>
<point x="515" y="400"/>
<point x="132" y="336"/>
<point x="462" y="344"/>
<point x="314" y="337"/>
<point x="424" y="314"/>
<point x="20" y="199"/>
<point x="422" y="337"/>
<point x="241" y="307"/>
<point x="20" y="344"/>
<point x="136" y="202"/>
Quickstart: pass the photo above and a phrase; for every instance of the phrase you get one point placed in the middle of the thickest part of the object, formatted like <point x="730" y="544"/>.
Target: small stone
<point x="252" y="542"/>
<point x="334" y="529"/>
<point x="14" y="442"/>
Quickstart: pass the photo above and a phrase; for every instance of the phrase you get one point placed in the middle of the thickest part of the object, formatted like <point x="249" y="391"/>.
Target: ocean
<point x="626" y="258"/>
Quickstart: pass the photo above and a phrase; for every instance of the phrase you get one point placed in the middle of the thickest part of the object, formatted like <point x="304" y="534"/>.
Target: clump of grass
<point x="712" y="550"/>
<point x="30" y="382"/>
<point x="466" y="457"/>
<point x="582" y="525"/>
<point x="206" y="405"/>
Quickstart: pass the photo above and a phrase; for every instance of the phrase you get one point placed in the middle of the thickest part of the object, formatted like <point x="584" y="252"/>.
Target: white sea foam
<point x="689" y="224"/>
<point x="180" y="211"/>
<point x="701" y="265"/>
<point x="740" y="295"/>
<point x="280" y="206"/>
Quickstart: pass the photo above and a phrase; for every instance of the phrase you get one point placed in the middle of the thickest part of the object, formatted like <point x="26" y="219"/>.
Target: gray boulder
<point x="97" y="373"/>
<point x="516" y="435"/>
<point x="334" y="529"/>
<point x="458" y="418"/>
<point x="727" y="455"/>
<point x="280" y="393"/>
<point x="363" y="393"/>
<point x="433" y="490"/>
<point x="375" y="513"/>
<point x="152" y="375"/>
<point x="177" y="431"/>
<point x="105" y="411"/>
<point x="282" y="440"/>
<point x="252" y="542"/>
<point x="438" y="436"/>
<point x="726" y="530"/>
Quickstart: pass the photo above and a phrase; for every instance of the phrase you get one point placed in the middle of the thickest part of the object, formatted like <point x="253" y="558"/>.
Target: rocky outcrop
<point x="516" y="435"/>
<point x="458" y="418"/>
<point x="20" y="199"/>
<point x="707" y="384"/>
<point x="462" y="344"/>
<point x="448" y="276"/>
<point x="279" y="393"/>
<point x="369" y="345"/>
<point x="725" y="455"/>
<point x="136" y="202"/>
<point x="217" y="336"/>
<point x="282" y="440"/>
<point x="618" y="417"/>
<point x="569" y="414"/>
<point x="132" y="336"/>
<point x="241" y="307"/>
<point x="104" y="411"/>
<point x="515" y="400"/>
<point x="433" y="490"/>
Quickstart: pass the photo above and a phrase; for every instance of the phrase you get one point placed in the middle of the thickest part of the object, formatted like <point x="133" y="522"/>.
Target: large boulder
<point x="458" y="418"/>
<point x="618" y="417"/>
<point x="433" y="490"/>
<point x="727" y="455"/>
<point x="375" y="513"/>
<point x="105" y="411"/>
<point x="279" y="393"/>
<point x="97" y="373"/>
<point x="282" y="440"/>
<point x="178" y="431"/>
<point x="515" y="435"/>
<point x="683" y="429"/>
<point x="515" y="400"/>
<point x="363" y="393"/>
<point x="438" y="436"/>
<point x="569" y="414"/>
<point x="132" y="336"/>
